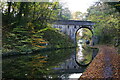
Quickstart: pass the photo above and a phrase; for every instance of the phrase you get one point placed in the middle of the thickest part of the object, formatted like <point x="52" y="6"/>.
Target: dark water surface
<point x="61" y="64"/>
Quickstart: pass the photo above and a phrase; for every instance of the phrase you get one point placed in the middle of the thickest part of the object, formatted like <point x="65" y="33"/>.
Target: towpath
<point x="105" y="66"/>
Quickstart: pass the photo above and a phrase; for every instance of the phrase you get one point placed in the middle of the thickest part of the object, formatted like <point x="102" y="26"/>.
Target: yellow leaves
<point x="39" y="39"/>
<point x="38" y="61"/>
<point x="35" y="44"/>
<point x="43" y="61"/>
<point x="117" y="5"/>
<point x="42" y="30"/>
<point x="32" y="31"/>
<point x="39" y="42"/>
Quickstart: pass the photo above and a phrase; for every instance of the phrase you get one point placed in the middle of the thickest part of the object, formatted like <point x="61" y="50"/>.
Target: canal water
<point x="64" y="64"/>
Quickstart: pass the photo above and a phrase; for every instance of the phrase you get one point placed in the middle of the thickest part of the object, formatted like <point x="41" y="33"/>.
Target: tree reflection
<point x="35" y="66"/>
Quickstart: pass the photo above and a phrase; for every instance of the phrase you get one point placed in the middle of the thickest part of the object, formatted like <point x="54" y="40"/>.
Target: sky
<point x="78" y="5"/>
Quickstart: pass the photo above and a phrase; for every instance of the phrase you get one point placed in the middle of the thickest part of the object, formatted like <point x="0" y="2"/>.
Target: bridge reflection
<point x="69" y="66"/>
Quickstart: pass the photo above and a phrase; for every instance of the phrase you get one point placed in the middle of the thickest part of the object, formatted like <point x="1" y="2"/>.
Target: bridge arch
<point x="83" y="27"/>
<point x="70" y="27"/>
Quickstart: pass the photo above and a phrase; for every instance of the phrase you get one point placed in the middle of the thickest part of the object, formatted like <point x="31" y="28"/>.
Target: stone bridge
<point x="70" y="27"/>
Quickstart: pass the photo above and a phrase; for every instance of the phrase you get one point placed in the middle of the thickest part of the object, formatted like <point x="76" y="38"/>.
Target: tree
<point x="78" y="15"/>
<point x="107" y="22"/>
<point x="24" y="23"/>
<point x="65" y="14"/>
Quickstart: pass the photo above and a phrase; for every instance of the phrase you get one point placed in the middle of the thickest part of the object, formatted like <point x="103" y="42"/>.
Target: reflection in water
<point x="48" y="65"/>
<point x="79" y="54"/>
<point x="83" y="54"/>
<point x="75" y="75"/>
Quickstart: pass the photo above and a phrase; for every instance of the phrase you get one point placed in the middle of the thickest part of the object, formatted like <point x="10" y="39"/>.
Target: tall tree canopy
<point x="24" y="23"/>
<point x="106" y="15"/>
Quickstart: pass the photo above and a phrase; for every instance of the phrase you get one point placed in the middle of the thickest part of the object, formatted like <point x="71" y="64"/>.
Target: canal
<point x="63" y="64"/>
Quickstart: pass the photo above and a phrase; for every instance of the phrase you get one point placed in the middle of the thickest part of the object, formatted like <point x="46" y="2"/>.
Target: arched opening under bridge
<point x="83" y="55"/>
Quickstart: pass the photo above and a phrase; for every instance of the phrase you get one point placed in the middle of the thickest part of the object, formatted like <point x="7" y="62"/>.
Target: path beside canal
<point x="106" y="65"/>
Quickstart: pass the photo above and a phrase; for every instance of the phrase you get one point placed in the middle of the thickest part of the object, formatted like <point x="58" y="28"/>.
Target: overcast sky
<point x="78" y="5"/>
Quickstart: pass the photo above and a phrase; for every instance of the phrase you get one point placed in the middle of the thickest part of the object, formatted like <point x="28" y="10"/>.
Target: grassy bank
<point x="51" y="39"/>
<point x="56" y="39"/>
